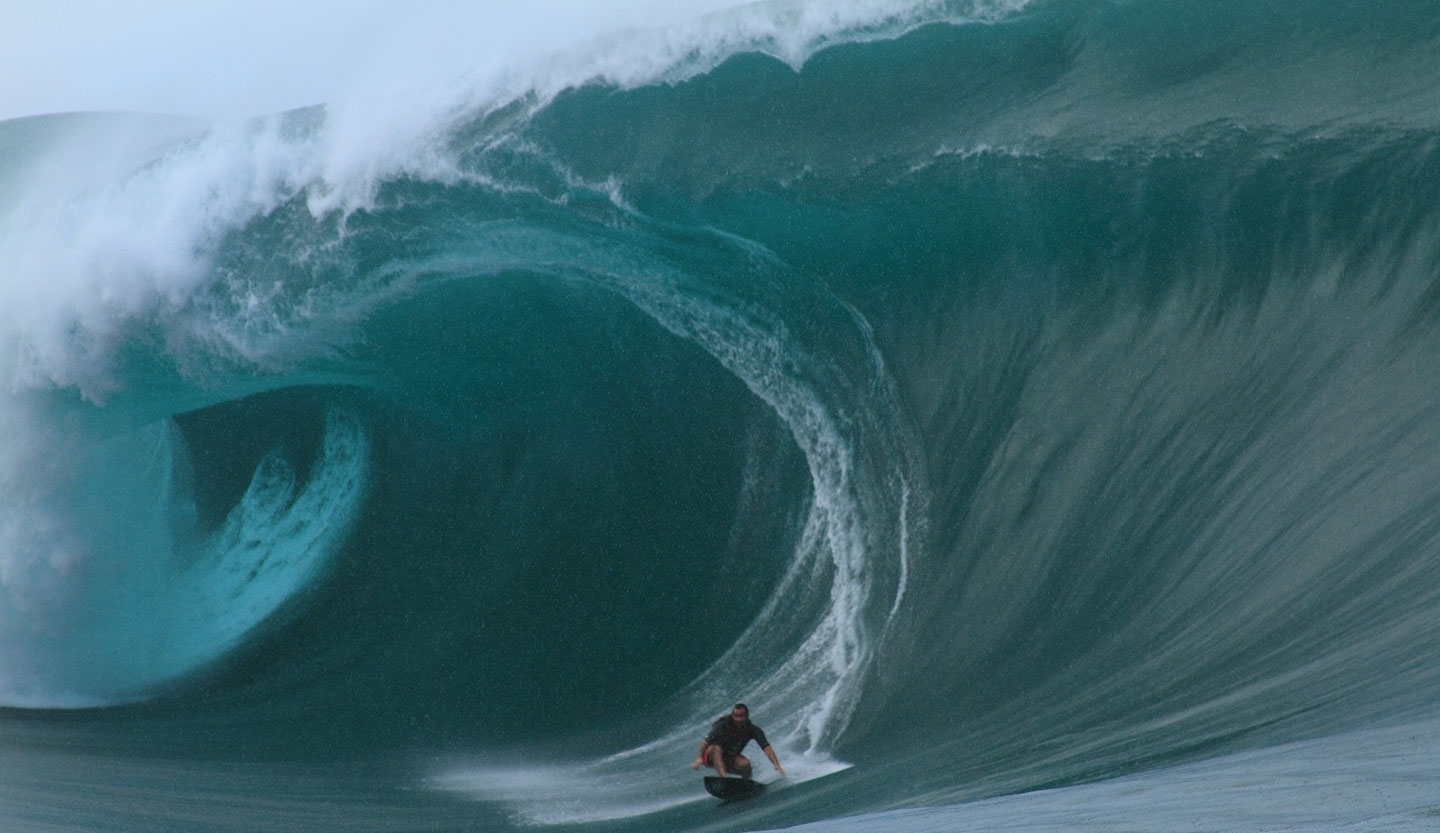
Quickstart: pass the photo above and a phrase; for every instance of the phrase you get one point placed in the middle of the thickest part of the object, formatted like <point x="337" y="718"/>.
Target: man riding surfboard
<point x="720" y="750"/>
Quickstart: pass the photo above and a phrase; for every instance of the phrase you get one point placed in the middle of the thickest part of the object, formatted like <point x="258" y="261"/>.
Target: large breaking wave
<point x="994" y="396"/>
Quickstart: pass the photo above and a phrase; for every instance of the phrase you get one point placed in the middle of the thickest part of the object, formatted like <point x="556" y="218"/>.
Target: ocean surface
<point x="1030" y="409"/>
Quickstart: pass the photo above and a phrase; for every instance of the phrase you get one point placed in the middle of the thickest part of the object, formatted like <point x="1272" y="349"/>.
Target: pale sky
<point x="247" y="57"/>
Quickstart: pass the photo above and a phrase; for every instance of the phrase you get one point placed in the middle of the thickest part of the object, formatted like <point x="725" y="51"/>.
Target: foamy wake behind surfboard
<point x="617" y="787"/>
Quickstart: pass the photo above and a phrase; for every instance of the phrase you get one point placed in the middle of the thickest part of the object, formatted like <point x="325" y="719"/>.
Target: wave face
<point x="996" y="397"/>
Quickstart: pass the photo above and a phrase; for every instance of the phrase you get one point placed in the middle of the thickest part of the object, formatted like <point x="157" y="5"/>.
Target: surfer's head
<point x="740" y="713"/>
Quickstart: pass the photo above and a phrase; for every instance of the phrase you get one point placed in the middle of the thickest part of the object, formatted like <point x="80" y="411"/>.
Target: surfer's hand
<point x="697" y="764"/>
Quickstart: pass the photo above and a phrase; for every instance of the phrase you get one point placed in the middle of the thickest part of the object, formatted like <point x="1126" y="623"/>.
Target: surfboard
<point x="732" y="789"/>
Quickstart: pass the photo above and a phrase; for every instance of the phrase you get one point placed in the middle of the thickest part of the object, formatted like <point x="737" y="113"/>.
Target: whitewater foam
<point x="91" y="250"/>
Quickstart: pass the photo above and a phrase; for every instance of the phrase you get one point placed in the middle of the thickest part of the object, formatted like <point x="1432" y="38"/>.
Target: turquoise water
<point x="1028" y="409"/>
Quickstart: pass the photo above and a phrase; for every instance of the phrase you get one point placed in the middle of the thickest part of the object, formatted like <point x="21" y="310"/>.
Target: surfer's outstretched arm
<point x="774" y="761"/>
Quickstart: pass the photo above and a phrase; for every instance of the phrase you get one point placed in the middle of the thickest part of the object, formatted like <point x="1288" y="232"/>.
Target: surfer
<point x="720" y="750"/>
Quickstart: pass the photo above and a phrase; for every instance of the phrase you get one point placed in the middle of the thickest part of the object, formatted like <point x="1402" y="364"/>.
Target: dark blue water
<point x="1042" y="405"/>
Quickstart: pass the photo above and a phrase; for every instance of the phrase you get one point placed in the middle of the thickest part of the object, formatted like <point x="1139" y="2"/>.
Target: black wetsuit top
<point x="732" y="737"/>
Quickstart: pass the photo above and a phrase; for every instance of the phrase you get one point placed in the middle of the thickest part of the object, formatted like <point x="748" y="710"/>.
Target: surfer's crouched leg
<point x="714" y="758"/>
